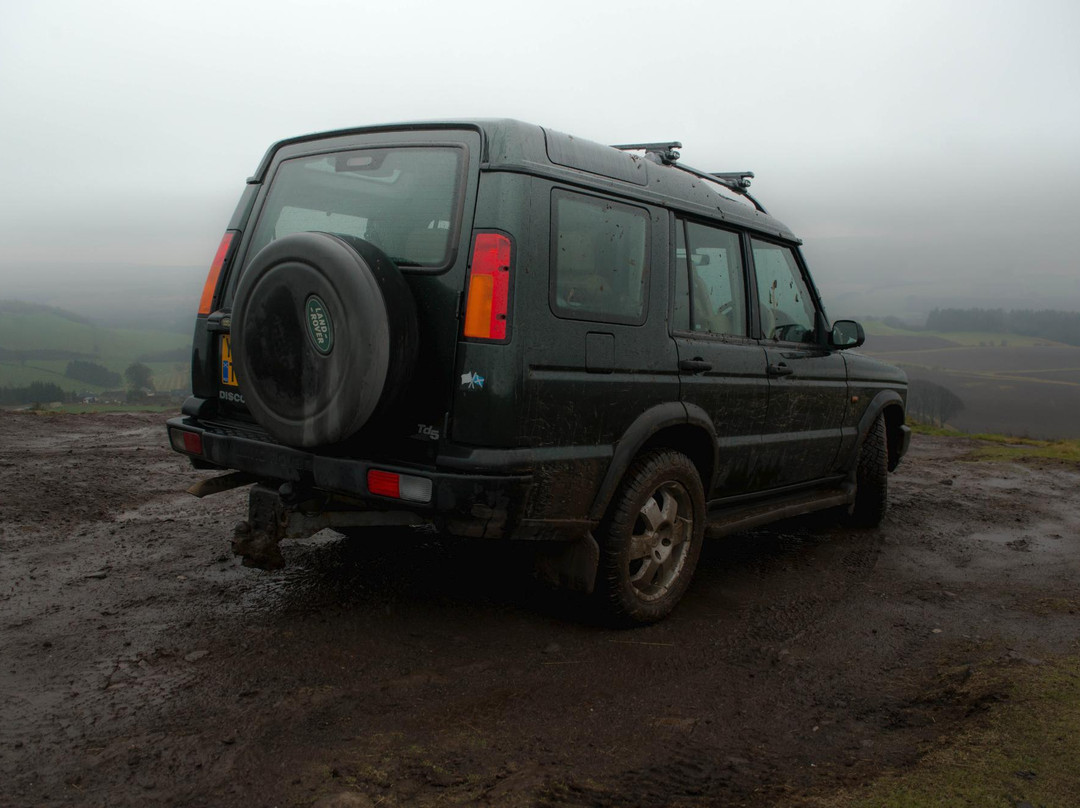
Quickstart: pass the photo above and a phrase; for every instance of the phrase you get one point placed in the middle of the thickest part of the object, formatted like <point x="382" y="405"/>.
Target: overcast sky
<point x="904" y="142"/>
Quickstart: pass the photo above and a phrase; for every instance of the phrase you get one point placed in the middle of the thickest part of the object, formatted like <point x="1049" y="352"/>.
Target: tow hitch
<point x="256" y="540"/>
<point x="276" y="514"/>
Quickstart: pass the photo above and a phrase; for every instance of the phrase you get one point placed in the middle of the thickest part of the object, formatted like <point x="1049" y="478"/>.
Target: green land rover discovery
<point x="512" y="333"/>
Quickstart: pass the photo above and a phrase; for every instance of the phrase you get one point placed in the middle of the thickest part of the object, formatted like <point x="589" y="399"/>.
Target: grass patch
<point x="1006" y="448"/>
<point x="1018" y="450"/>
<point x="1021" y="750"/>
<point x="919" y="428"/>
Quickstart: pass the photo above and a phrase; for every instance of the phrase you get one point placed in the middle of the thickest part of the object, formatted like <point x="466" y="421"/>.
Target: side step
<point x="734" y="519"/>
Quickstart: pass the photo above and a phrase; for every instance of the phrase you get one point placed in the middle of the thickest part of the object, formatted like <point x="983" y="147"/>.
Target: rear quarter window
<point x="598" y="259"/>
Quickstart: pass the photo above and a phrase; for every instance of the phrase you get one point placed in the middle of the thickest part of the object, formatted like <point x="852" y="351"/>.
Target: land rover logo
<point x="319" y="327"/>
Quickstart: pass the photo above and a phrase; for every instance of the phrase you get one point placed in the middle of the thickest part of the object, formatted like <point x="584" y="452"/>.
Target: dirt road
<point x="141" y="665"/>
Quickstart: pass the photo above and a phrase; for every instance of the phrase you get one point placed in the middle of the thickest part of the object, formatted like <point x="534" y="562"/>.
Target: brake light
<point x="207" y="301"/>
<point x="488" y="301"/>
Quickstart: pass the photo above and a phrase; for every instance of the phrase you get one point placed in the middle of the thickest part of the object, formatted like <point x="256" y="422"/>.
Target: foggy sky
<point x="914" y="146"/>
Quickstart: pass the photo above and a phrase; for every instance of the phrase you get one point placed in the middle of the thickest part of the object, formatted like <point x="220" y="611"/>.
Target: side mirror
<point x="846" y="334"/>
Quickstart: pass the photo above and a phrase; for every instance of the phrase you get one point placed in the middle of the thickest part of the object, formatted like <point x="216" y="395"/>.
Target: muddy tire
<point x="872" y="478"/>
<point x="651" y="538"/>
<point x="324" y="336"/>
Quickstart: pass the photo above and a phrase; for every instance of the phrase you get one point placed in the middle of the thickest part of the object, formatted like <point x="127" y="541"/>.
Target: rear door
<point x="808" y="393"/>
<point x="721" y="369"/>
<point x="411" y="194"/>
<point x="598" y="352"/>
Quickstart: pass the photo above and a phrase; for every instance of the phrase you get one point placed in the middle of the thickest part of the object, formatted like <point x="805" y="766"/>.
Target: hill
<point x="38" y="341"/>
<point x="1007" y="383"/>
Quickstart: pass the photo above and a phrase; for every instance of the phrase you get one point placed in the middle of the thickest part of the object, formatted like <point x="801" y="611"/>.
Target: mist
<point x="922" y="151"/>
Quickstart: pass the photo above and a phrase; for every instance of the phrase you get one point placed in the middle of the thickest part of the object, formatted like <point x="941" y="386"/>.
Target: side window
<point x="710" y="292"/>
<point x="598" y="251"/>
<point x="787" y="309"/>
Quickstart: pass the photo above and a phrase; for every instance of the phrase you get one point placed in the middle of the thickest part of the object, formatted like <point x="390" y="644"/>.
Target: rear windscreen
<point x="404" y="200"/>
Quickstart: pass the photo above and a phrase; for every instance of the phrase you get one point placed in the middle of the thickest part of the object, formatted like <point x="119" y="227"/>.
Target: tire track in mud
<point x="784" y="582"/>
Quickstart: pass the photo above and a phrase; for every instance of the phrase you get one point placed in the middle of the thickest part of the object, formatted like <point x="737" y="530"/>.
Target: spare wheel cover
<point x="312" y="337"/>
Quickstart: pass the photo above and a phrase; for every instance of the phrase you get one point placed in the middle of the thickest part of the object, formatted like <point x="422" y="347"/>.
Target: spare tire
<point x="324" y="336"/>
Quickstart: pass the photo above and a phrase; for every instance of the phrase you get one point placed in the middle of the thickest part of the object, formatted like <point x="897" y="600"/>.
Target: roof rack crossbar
<point x="666" y="154"/>
<point x="737" y="181"/>
<point x="741" y="177"/>
<point x="665" y="151"/>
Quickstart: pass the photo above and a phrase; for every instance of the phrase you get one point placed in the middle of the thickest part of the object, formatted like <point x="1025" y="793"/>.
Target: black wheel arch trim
<point x="645" y="426"/>
<point x="877" y="405"/>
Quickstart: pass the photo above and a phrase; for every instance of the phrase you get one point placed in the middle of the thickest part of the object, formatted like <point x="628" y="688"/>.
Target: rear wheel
<point x="872" y="478"/>
<point x="652" y="538"/>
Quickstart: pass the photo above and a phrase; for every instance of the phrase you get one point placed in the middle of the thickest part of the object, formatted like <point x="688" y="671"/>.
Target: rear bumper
<point x="488" y="505"/>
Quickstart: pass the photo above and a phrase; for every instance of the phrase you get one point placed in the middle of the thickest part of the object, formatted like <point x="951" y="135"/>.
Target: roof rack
<point x="666" y="154"/>
<point x="665" y="151"/>
<point x="741" y="177"/>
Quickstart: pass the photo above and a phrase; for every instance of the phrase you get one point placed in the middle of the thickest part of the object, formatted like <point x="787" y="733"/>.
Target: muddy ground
<point x="141" y="665"/>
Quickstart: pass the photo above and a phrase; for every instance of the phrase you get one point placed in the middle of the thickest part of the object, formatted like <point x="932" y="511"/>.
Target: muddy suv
<point x="511" y="333"/>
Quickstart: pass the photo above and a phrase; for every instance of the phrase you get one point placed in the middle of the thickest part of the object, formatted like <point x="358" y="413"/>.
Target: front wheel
<point x="651" y="538"/>
<point x="872" y="478"/>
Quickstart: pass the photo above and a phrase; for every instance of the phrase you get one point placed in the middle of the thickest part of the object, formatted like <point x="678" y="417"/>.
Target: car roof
<point x="512" y="145"/>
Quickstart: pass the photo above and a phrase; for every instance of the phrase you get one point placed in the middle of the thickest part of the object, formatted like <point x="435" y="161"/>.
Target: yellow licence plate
<point x="228" y="371"/>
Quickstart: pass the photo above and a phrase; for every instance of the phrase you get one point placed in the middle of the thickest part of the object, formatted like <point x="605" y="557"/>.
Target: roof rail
<point x="666" y="154"/>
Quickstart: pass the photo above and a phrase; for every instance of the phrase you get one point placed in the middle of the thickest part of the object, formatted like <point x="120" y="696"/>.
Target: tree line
<point x="92" y="373"/>
<point x="1058" y="326"/>
<point x="139" y="378"/>
<point x="34" y="393"/>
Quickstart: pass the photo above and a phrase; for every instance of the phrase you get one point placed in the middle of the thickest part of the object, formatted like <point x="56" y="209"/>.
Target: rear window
<point x="404" y="200"/>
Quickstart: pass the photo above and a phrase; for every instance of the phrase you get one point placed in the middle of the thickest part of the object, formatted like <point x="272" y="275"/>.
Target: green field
<point x="1007" y="383"/>
<point x="963" y="338"/>
<point x="113" y="348"/>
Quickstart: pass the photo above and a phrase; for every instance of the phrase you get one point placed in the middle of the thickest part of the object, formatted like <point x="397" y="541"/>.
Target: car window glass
<point x="680" y="320"/>
<point x="717" y="291"/>
<point x="787" y="310"/>
<point x="402" y="200"/>
<point x="598" y="259"/>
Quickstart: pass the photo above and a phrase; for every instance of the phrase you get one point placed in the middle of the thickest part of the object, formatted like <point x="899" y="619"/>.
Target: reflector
<point x="383" y="483"/>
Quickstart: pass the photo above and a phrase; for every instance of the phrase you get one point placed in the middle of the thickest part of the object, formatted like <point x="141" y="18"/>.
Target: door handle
<point x="779" y="370"/>
<point x="695" y="365"/>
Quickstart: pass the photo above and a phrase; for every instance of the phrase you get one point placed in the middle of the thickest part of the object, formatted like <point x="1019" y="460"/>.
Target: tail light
<point x="487" y="306"/>
<point x="206" y="304"/>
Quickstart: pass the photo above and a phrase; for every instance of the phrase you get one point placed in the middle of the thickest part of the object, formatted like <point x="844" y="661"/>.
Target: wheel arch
<point x="894" y="423"/>
<point x="890" y="404"/>
<point x="686" y="428"/>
